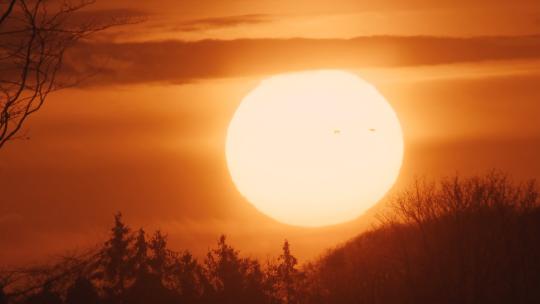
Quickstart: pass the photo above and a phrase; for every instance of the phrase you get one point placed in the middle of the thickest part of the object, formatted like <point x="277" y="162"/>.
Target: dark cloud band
<point x="183" y="61"/>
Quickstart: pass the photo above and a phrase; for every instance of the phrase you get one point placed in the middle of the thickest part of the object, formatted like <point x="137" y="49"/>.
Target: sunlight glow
<point x="314" y="148"/>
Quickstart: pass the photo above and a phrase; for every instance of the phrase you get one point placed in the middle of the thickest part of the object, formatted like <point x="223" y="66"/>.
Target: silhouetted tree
<point x="225" y="271"/>
<point x="147" y="270"/>
<point x="3" y="297"/>
<point x="160" y="254"/>
<point x="82" y="292"/>
<point x="234" y="279"/>
<point x="140" y="258"/>
<point x="116" y="256"/>
<point x="45" y="296"/>
<point x="148" y="288"/>
<point x="190" y="280"/>
<point x="256" y="290"/>
<point x="35" y="37"/>
<point x="288" y="276"/>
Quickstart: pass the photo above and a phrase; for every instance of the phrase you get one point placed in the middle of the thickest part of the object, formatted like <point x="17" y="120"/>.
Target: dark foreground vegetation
<point x="475" y="240"/>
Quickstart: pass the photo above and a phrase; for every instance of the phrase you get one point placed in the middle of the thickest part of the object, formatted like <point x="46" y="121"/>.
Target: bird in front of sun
<point x="284" y="161"/>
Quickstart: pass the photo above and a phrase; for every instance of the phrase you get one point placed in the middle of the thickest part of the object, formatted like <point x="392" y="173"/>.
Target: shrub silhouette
<point x="473" y="240"/>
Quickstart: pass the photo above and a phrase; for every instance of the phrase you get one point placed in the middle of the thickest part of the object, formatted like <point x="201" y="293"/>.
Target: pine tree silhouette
<point x="287" y="275"/>
<point x="139" y="262"/>
<point x="226" y="271"/>
<point x="82" y="292"/>
<point x="116" y="256"/>
<point x="148" y="288"/>
<point x="3" y="296"/>
<point x="189" y="275"/>
<point x="159" y="254"/>
<point x="150" y="271"/>
<point x="46" y="296"/>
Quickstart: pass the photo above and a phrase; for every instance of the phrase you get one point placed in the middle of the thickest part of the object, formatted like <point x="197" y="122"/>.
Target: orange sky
<point x="146" y="135"/>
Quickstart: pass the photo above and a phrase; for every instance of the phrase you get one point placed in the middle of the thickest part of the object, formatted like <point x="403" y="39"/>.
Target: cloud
<point x="187" y="61"/>
<point x="107" y="15"/>
<point x="221" y="22"/>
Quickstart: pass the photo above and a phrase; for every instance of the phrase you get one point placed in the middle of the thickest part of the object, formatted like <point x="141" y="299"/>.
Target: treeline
<point x="475" y="240"/>
<point x="134" y="268"/>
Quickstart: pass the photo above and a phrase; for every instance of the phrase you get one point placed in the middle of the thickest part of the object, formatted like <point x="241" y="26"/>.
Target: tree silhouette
<point x="3" y="297"/>
<point x="191" y="282"/>
<point x="45" y="296"/>
<point x="82" y="292"/>
<point x="226" y="271"/>
<point x="116" y="256"/>
<point x="148" y="288"/>
<point x="233" y="278"/>
<point x="35" y="38"/>
<point x="148" y="272"/>
<point x="288" y="276"/>
<point x="160" y="255"/>
<point x="140" y="259"/>
<point x="256" y="290"/>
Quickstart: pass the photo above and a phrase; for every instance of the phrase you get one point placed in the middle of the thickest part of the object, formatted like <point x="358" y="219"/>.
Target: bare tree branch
<point x="35" y="37"/>
<point x="8" y="11"/>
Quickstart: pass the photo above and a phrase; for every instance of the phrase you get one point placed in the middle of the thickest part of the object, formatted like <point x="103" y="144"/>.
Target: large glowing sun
<point x="314" y="148"/>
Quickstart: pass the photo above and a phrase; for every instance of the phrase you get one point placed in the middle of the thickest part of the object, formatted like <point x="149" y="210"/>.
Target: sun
<point x="314" y="148"/>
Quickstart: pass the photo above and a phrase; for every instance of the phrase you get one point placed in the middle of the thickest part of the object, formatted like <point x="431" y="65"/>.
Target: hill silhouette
<point x="472" y="240"/>
<point x="460" y="241"/>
